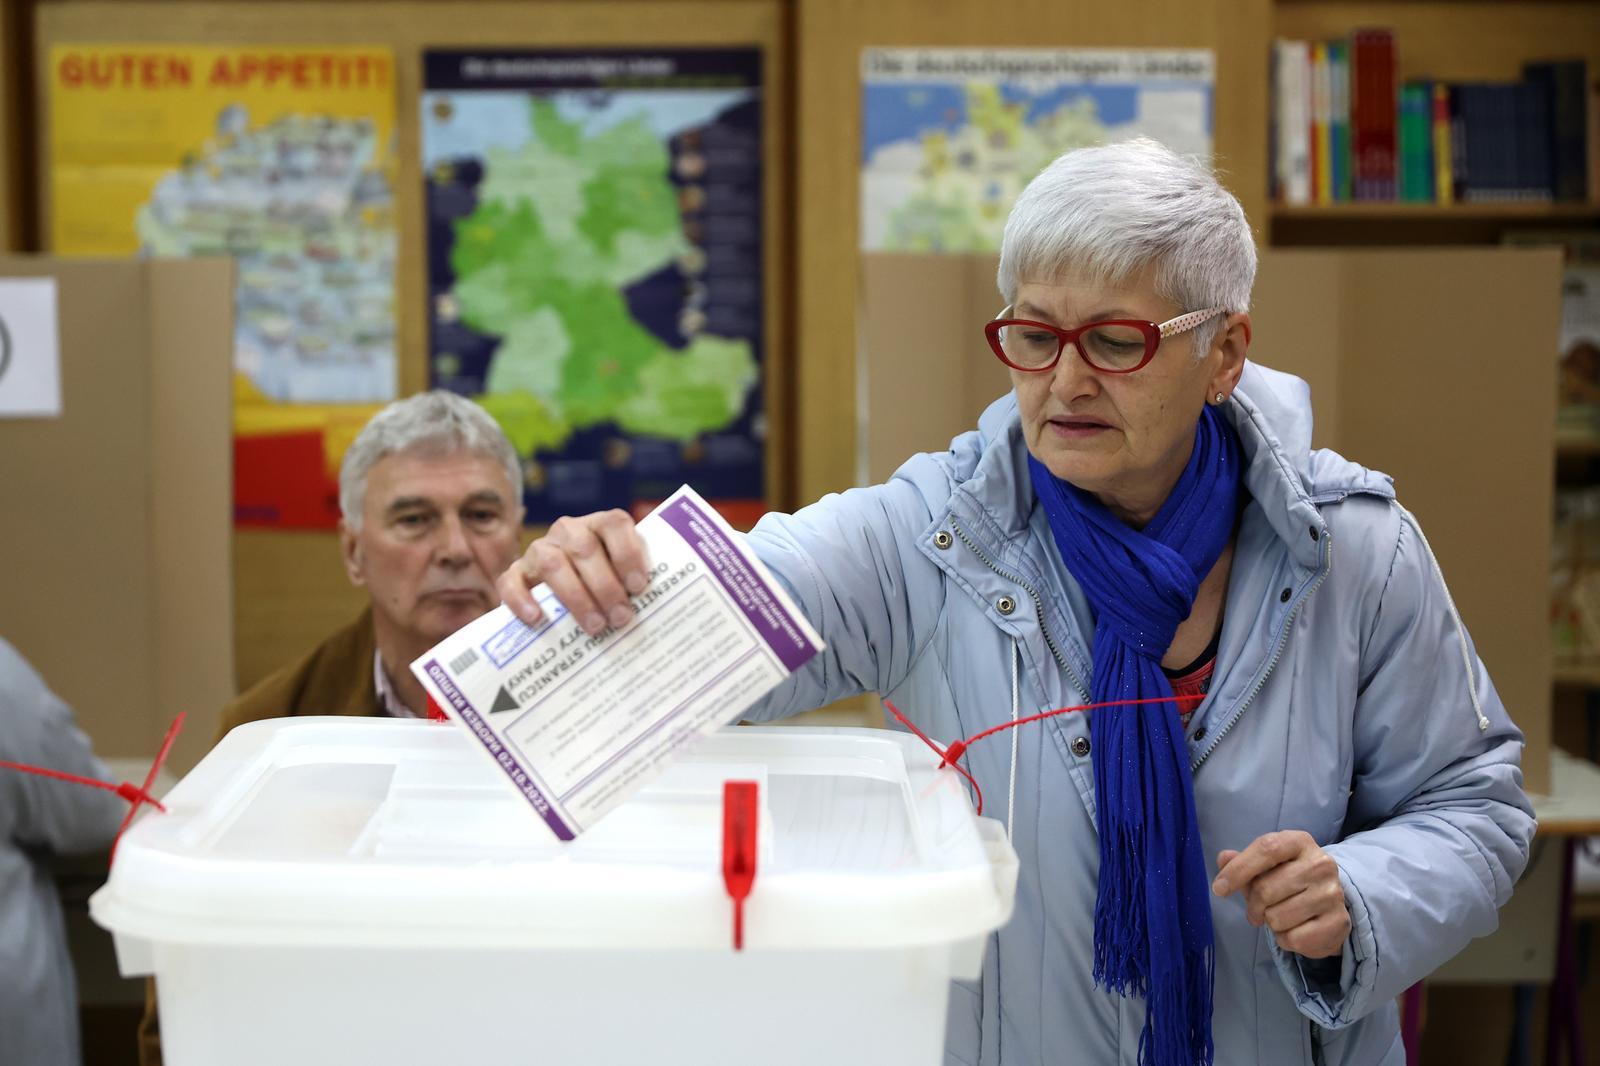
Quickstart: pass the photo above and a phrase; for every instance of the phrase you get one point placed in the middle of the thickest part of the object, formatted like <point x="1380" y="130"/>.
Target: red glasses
<point x="1115" y="346"/>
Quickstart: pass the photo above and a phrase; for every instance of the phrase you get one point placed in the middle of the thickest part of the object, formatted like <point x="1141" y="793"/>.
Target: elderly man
<point x="431" y="503"/>
<point x="430" y="496"/>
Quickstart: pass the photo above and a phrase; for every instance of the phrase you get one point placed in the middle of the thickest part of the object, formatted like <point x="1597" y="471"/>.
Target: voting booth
<point x="118" y="516"/>
<point x="366" y="890"/>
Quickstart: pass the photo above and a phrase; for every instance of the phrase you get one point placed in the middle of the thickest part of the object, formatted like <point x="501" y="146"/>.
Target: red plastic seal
<point x="740" y="819"/>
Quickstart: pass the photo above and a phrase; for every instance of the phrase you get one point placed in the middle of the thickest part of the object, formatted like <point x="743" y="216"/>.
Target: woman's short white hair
<point x="436" y="423"/>
<point x="1110" y="211"/>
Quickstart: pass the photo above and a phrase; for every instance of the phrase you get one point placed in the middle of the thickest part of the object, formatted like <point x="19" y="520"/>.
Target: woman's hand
<point x="593" y="564"/>
<point x="1291" y="885"/>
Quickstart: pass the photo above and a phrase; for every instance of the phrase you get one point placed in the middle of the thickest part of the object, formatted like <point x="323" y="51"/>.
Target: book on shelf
<point x="1416" y="142"/>
<point x="1444" y="188"/>
<point x="1321" y="126"/>
<point x="1339" y="120"/>
<point x="1345" y="127"/>
<point x="1566" y="88"/>
<point x="1374" y="104"/>
<point x="1292" y="132"/>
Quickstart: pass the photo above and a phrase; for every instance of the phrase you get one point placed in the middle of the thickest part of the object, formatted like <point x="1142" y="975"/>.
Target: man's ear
<point x="353" y="555"/>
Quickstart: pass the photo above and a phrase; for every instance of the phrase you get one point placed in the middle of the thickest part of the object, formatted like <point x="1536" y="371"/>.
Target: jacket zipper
<point x="1038" y="609"/>
<point x="1277" y="653"/>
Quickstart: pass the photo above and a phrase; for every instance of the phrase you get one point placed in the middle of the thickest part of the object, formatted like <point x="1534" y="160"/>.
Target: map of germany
<point x="562" y="226"/>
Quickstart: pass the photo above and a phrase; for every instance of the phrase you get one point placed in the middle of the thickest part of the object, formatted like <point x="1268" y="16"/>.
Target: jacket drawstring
<point x="1011" y="788"/>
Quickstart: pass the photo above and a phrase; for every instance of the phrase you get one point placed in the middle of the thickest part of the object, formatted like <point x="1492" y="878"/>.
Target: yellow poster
<point x="283" y="158"/>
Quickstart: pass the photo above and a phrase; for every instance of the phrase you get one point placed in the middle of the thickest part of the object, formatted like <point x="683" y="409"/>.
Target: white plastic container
<point x="350" y="891"/>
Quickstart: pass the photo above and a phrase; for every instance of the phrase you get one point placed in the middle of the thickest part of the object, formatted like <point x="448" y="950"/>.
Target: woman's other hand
<point x="1292" y="886"/>
<point x="593" y="563"/>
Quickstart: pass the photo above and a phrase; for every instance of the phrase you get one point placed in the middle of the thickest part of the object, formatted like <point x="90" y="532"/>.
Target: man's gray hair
<point x="436" y="423"/>
<point x="1110" y="211"/>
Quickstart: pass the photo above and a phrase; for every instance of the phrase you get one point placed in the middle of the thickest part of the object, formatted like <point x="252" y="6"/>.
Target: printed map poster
<point x="283" y="158"/>
<point x="595" y="267"/>
<point x="951" y="136"/>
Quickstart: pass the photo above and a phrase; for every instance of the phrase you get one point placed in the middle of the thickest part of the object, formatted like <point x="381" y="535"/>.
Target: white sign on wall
<point x="30" y="355"/>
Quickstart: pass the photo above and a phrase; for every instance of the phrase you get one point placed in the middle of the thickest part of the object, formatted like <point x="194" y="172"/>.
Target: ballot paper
<point x="579" y="723"/>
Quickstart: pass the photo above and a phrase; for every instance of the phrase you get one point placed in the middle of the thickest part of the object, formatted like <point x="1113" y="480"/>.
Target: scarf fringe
<point x="1177" y="1030"/>
<point x="1119" y="914"/>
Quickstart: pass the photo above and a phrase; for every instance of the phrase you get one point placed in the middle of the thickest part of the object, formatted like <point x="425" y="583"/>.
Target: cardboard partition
<point x="926" y="372"/>
<point x="118" y="584"/>
<point x="1435" y="366"/>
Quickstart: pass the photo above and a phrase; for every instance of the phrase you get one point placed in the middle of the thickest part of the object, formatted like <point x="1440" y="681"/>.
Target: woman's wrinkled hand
<point x="594" y="564"/>
<point x="1291" y="886"/>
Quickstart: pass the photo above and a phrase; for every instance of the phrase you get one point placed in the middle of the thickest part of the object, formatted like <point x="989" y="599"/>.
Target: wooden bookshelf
<point x="1452" y="41"/>
<point x="1577" y="445"/>
<point x="1576" y="673"/>
<point x="1509" y="211"/>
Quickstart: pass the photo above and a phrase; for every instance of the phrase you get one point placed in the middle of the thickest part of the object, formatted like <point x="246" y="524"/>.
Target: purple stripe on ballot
<point x="502" y="755"/>
<point x="743" y="583"/>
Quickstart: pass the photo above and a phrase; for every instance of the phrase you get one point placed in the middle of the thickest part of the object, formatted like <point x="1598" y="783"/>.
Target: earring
<point x="1219" y="398"/>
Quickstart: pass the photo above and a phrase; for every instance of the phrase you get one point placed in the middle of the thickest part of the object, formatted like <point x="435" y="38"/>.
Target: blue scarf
<point x="1152" y="918"/>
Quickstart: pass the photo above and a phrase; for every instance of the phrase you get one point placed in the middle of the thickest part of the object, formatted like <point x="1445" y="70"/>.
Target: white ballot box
<point x="349" y="890"/>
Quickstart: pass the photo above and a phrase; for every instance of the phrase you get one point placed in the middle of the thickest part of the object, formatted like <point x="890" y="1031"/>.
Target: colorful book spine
<point x="1444" y="191"/>
<point x="1321" y="129"/>
<point x="1387" y="108"/>
<point x="1361" y="114"/>
<point x="1339" y="119"/>
<point x="1293" y="108"/>
<point x="1416" y="142"/>
<point x="1374" y="113"/>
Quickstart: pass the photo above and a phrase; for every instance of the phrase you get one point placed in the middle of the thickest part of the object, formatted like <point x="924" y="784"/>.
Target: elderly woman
<point x="1326" y="806"/>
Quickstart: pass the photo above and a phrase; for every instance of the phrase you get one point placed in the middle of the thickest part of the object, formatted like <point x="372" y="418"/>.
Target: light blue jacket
<point x="40" y="818"/>
<point x="1346" y="702"/>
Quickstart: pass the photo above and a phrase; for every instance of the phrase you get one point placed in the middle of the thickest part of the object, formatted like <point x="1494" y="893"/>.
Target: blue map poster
<point x="595" y="267"/>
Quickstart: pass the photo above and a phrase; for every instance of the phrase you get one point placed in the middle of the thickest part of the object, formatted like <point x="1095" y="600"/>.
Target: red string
<point x="126" y="790"/>
<point x="136" y="795"/>
<point x="958" y="748"/>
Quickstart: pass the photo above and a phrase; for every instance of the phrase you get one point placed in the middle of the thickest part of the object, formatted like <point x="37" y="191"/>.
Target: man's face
<point x="436" y="531"/>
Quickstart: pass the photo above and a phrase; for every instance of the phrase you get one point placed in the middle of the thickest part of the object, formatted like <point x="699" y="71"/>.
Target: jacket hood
<point x="1270" y="410"/>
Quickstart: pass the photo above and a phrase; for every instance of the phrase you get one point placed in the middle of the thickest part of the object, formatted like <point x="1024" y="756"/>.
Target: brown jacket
<point x="335" y="677"/>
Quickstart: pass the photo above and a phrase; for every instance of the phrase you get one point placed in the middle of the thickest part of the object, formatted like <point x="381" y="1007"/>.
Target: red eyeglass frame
<point x="1153" y="335"/>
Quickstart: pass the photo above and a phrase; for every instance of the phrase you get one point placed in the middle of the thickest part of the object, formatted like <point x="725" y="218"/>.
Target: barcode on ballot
<point x="461" y="662"/>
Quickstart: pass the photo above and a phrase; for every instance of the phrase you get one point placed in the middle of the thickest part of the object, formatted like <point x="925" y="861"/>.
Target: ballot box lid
<point x="375" y="832"/>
